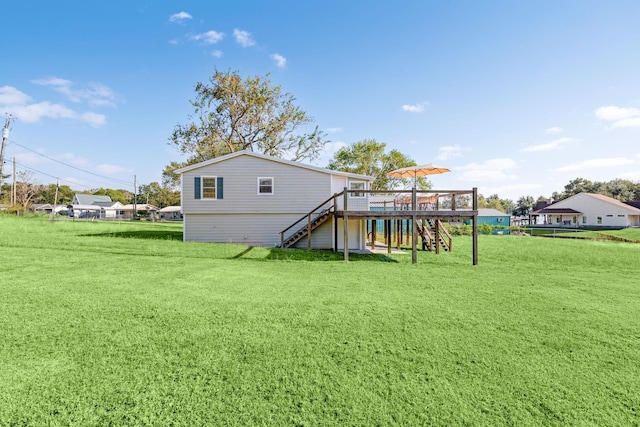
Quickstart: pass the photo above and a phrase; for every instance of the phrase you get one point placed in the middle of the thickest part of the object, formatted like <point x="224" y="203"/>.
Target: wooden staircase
<point x="427" y="230"/>
<point x="312" y="220"/>
<point x="303" y="231"/>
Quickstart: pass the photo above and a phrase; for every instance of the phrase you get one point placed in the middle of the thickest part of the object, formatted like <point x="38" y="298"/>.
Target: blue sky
<point x="515" y="97"/>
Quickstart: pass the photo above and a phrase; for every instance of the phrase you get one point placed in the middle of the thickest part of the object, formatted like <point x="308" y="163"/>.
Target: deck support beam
<point x="414" y="221"/>
<point x="345" y="221"/>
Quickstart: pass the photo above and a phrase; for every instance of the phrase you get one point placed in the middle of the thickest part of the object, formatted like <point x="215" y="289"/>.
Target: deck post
<point x="345" y="222"/>
<point x="475" y="226"/>
<point x="414" y="245"/>
<point x="335" y="222"/>
<point x="374" y="230"/>
<point x="309" y="231"/>
<point x="389" y="236"/>
<point x="437" y="237"/>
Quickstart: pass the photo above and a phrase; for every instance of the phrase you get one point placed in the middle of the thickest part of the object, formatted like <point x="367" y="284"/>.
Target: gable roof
<point x="89" y="199"/>
<point x="273" y="159"/>
<point x="491" y="212"/>
<point x="561" y="206"/>
<point x="556" y="211"/>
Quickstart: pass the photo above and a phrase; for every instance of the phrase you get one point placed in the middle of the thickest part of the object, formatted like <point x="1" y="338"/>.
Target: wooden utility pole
<point x="135" y="195"/>
<point x="13" y="185"/>
<point x="55" y="199"/>
<point x="5" y="137"/>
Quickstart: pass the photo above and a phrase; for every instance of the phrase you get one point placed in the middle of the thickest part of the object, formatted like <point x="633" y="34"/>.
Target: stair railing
<point x="309" y="219"/>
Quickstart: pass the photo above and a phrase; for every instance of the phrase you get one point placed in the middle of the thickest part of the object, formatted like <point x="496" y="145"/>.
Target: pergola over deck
<point x="411" y="205"/>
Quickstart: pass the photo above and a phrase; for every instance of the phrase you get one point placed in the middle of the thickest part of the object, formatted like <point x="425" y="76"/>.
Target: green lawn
<point x="125" y="324"/>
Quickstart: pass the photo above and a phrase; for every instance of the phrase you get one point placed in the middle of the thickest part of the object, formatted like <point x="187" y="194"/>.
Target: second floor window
<point x="265" y="185"/>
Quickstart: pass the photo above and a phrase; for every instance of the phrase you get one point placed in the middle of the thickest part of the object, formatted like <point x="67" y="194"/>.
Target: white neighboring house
<point x="127" y="210"/>
<point x="171" y="213"/>
<point x="47" y="208"/>
<point x="590" y="210"/>
<point x="90" y="206"/>
<point x="249" y="198"/>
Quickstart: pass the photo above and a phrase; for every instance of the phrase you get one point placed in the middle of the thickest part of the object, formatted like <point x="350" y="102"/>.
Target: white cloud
<point x="112" y="169"/>
<point x="326" y="154"/>
<point x="281" y="61"/>
<point x="511" y="190"/>
<point x="243" y="38"/>
<point x="18" y="104"/>
<point x="173" y="41"/>
<point x="557" y="144"/>
<point x="588" y="165"/>
<point x="628" y="123"/>
<point x="554" y="130"/>
<point x="210" y="37"/>
<point x="97" y="94"/>
<point x="450" y="151"/>
<point x="334" y="130"/>
<point x="216" y="53"/>
<point x="491" y="170"/>
<point x="94" y="119"/>
<point x="180" y="17"/>
<point x="11" y="96"/>
<point x="72" y="158"/>
<point x="32" y="113"/>
<point x="416" y="108"/>
<point x="619" y="116"/>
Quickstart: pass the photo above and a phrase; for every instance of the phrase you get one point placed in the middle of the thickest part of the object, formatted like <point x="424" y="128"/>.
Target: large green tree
<point x="47" y="194"/>
<point x="368" y="157"/>
<point x="158" y="195"/>
<point x="524" y="205"/>
<point x="233" y="114"/>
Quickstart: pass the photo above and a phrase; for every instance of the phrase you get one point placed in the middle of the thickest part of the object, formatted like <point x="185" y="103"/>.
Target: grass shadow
<point x="141" y="234"/>
<point x="322" y="255"/>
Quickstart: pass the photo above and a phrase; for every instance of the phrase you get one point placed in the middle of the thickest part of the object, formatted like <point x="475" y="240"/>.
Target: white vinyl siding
<point x="299" y="189"/>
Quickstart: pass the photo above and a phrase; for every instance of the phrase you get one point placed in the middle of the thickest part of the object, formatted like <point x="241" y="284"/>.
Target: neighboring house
<point x="47" y="208"/>
<point x="150" y="210"/>
<point x="90" y="206"/>
<point x="493" y="217"/>
<point x="171" y="213"/>
<point x="590" y="210"/>
<point x="249" y="198"/>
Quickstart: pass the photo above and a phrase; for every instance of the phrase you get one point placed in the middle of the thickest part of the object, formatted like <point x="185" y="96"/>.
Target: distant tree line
<point x="29" y="193"/>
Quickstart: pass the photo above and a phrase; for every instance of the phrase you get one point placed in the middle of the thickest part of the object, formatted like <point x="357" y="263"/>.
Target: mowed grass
<point x="125" y="324"/>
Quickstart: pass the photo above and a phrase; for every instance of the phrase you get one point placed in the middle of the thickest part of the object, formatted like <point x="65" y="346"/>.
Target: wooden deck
<point x="411" y="205"/>
<point x="389" y="205"/>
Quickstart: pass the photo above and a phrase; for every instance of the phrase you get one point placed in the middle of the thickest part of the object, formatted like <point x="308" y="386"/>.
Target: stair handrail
<point x="308" y="215"/>
<point x="446" y="232"/>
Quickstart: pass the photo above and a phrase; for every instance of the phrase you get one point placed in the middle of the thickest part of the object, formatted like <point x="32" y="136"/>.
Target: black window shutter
<point x="219" y="193"/>
<point x="196" y="186"/>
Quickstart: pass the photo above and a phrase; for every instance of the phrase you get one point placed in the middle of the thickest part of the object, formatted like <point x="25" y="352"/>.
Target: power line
<point x="71" y="166"/>
<point x="49" y="175"/>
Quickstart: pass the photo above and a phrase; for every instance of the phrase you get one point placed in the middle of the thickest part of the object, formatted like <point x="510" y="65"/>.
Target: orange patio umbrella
<point x="416" y="171"/>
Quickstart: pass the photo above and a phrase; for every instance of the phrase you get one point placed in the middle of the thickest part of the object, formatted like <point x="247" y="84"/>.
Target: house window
<point x="500" y="219"/>
<point x="356" y="185"/>
<point x="265" y="185"/>
<point x="208" y="187"/>
<point x="609" y="216"/>
<point x="584" y="219"/>
<point x="599" y="221"/>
